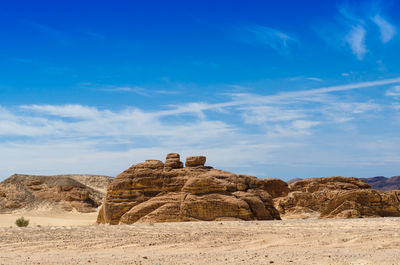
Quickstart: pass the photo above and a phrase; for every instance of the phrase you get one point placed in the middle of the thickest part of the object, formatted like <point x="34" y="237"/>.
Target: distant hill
<point x="83" y="193"/>
<point x="377" y="183"/>
<point x="293" y="180"/>
<point x="383" y="183"/>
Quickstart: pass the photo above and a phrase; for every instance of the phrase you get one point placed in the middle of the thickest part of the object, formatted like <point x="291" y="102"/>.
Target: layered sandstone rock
<point x="363" y="203"/>
<point x="195" y="161"/>
<point x="336" y="197"/>
<point x="173" y="161"/>
<point x="156" y="192"/>
<point x="83" y="193"/>
<point x="325" y="184"/>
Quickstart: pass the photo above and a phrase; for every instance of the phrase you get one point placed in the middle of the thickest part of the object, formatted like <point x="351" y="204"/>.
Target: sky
<point x="267" y="88"/>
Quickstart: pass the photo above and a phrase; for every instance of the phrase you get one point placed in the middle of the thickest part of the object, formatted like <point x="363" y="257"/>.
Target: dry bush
<point x="22" y="222"/>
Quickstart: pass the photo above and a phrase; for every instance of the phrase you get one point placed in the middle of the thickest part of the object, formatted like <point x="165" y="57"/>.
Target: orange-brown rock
<point x="195" y="161"/>
<point x="363" y="203"/>
<point x="336" y="197"/>
<point x="83" y="193"/>
<point x="173" y="161"/>
<point x="156" y="192"/>
<point x="331" y="183"/>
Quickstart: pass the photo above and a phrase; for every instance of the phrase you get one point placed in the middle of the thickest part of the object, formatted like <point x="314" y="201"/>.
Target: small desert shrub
<point x="22" y="222"/>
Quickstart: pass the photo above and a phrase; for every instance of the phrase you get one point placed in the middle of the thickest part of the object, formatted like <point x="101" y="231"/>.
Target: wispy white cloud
<point x="356" y="41"/>
<point x="315" y="79"/>
<point x="168" y="92"/>
<point x="139" y="90"/>
<point x="393" y="92"/>
<point x="248" y="129"/>
<point x="395" y="106"/>
<point x="117" y="88"/>
<point x="344" y="112"/>
<point x="134" y="89"/>
<point x="304" y="124"/>
<point x="354" y="23"/>
<point x="358" y="107"/>
<point x="262" y="114"/>
<point x="388" y="31"/>
<point x="69" y="111"/>
<point x="355" y="28"/>
<point x="293" y="129"/>
<point x="198" y="108"/>
<point x="270" y="37"/>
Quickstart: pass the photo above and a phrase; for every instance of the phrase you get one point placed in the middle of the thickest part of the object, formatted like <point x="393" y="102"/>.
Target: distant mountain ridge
<point x="293" y="180"/>
<point x="377" y="183"/>
<point x="383" y="183"/>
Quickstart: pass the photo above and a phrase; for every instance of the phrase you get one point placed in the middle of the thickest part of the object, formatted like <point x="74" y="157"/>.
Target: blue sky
<point x="268" y="88"/>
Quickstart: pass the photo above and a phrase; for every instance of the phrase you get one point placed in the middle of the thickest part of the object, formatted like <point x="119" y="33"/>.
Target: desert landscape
<point x="312" y="241"/>
<point x="176" y="213"/>
<point x="200" y="132"/>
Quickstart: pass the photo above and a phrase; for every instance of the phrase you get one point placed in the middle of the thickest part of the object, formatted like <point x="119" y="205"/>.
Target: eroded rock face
<point x="363" y="203"/>
<point x="331" y="183"/>
<point x="83" y="193"/>
<point x="337" y="197"/>
<point x="156" y="192"/>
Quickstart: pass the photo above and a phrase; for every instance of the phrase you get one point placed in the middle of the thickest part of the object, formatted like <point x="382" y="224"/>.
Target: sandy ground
<point x="359" y="241"/>
<point x="49" y="219"/>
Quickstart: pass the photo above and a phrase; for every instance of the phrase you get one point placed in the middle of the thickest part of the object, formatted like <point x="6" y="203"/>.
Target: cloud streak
<point x="249" y="99"/>
<point x="249" y="130"/>
<point x="275" y="39"/>
<point x="388" y="31"/>
<point x="393" y="92"/>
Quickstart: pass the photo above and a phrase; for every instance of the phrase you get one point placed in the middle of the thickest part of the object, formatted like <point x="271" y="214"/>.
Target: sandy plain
<point x="73" y="239"/>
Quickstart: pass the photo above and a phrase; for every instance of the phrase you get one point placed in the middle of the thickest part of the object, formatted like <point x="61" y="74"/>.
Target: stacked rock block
<point x="173" y="161"/>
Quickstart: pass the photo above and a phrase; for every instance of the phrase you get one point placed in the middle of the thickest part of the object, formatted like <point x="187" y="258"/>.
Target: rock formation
<point x="363" y="203"/>
<point x="173" y="161"/>
<point x="154" y="191"/>
<point x="337" y="197"/>
<point x="83" y="193"/>
<point x="195" y="161"/>
<point x="383" y="183"/>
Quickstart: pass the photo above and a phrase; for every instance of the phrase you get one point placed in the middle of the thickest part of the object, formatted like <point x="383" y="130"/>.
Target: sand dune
<point x="311" y="241"/>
